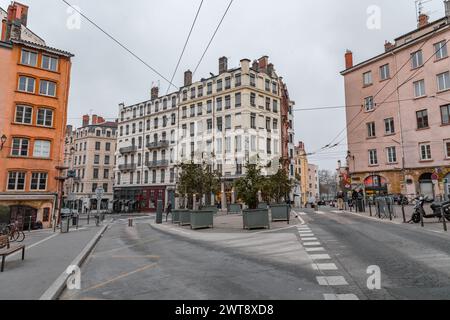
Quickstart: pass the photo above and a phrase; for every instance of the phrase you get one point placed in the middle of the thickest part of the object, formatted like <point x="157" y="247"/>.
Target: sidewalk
<point x="47" y="255"/>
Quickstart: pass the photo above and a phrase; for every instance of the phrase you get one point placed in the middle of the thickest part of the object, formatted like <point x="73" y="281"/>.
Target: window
<point x="252" y="80"/>
<point x="20" y="147"/>
<point x="97" y="146"/>
<point x="155" y="124"/>
<point x="108" y="146"/>
<point x="219" y="85"/>
<point x="228" y="145"/>
<point x="94" y="187"/>
<point x="27" y="84"/>
<point x="368" y="104"/>
<point x="373" y="157"/>
<point x="253" y="100"/>
<point x="219" y="104"/>
<point x="238" y="80"/>
<point x="23" y="114"/>
<point x="174" y="119"/>
<point x="275" y="106"/>
<point x="445" y="114"/>
<point x="253" y="143"/>
<point x="154" y="176"/>
<point x="209" y="106"/>
<point x="163" y="176"/>
<point x="41" y="149"/>
<point x="184" y="96"/>
<point x="371" y="133"/>
<point x="419" y="88"/>
<point x="268" y="124"/>
<point x="425" y="152"/>
<point x="192" y="129"/>
<point x="367" y="78"/>
<point x="209" y="125"/>
<point x="209" y="88"/>
<point x="417" y="59"/>
<point x="447" y="149"/>
<point x="184" y="114"/>
<point x="38" y="181"/>
<point x="200" y="91"/>
<point x="274" y="88"/>
<point x="96" y="159"/>
<point x="227" y="102"/>
<point x="268" y="104"/>
<point x="422" y="119"/>
<point x="391" y="153"/>
<point x="227" y="83"/>
<point x="389" y="126"/>
<point x="441" y="50"/>
<point x="219" y="145"/>
<point x="105" y="187"/>
<point x="384" y="72"/>
<point x="16" y="181"/>
<point x="95" y="174"/>
<point x="237" y="100"/>
<point x="253" y="121"/>
<point x="443" y="81"/>
<point x="29" y="58"/>
<point x="49" y="63"/>
<point x="228" y="122"/>
<point x="174" y="102"/>
<point x="47" y="88"/>
<point x="199" y="109"/>
<point x="192" y="93"/>
<point x="267" y="85"/>
<point x="275" y="124"/>
<point x="107" y="160"/>
<point x="45" y="117"/>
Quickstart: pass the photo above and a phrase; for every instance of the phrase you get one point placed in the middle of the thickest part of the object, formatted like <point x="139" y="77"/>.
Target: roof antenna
<point x="420" y="7"/>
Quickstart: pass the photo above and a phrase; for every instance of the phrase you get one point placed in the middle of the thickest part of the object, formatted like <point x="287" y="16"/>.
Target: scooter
<point x="437" y="207"/>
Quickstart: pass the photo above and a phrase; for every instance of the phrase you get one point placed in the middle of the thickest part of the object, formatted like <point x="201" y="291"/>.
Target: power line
<point x="185" y="45"/>
<point x="213" y="36"/>
<point x="118" y="42"/>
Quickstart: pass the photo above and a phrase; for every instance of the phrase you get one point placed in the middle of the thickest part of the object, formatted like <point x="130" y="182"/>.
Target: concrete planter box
<point x="210" y="208"/>
<point x="185" y="218"/>
<point x="176" y="216"/>
<point x="280" y="212"/>
<point x="202" y="219"/>
<point x="234" y="209"/>
<point x="256" y="219"/>
<point x="263" y="205"/>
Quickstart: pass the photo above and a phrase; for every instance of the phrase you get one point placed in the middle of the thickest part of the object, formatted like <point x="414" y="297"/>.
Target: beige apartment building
<point x="306" y="174"/>
<point x="90" y="153"/>
<point x="398" y="106"/>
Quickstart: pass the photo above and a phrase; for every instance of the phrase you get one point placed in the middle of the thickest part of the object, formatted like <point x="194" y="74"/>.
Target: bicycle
<point x="14" y="234"/>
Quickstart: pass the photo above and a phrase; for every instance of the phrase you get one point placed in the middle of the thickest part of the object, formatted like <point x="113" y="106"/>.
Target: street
<point x="327" y="258"/>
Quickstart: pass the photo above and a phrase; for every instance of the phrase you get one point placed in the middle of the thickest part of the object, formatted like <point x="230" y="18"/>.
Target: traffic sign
<point x="434" y="177"/>
<point x="99" y="192"/>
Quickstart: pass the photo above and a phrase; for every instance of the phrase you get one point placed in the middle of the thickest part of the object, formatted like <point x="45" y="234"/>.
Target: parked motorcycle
<point x="437" y="207"/>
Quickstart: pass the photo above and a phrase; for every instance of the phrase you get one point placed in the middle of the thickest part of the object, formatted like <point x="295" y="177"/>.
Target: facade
<point x="90" y="151"/>
<point x="223" y="121"/>
<point x="399" y="139"/>
<point x="34" y="90"/>
<point x="313" y="181"/>
<point x="306" y="174"/>
<point x="146" y="153"/>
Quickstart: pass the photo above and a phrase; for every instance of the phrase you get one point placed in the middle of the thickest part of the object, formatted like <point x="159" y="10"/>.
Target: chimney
<point x="447" y="8"/>
<point x="85" y="120"/>
<point x="18" y="12"/>
<point x="3" y="30"/>
<point x="223" y="65"/>
<point x="245" y="66"/>
<point x="388" y="46"/>
<point x="255" y="66"/>
<point x="69" y="129"/>
<point x="188" y="78"/>
<point x="155" y="93"/>
<point x="348" y="59"/>
<point x="94" y="119"/>
<point x="423" y="20"/>
<point x="263" y="62"/>
<point x="100" y="120"/>
<point x="270" y="69"/>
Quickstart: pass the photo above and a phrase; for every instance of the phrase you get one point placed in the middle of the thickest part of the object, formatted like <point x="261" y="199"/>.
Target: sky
<point x="305" y="39"/>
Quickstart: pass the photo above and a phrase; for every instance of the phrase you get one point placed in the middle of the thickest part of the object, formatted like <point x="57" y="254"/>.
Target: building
<point x="223" y="121"/>
<point x="306" y="174"/>
<point x="90" y="151"/>
<point x="34" y="90"/>
<point x="399" y="139"/>
<point x="146" y="153"/>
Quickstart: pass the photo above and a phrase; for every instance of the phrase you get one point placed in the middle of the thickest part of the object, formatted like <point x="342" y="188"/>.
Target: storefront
<point x="426" y="186"/>
<point x="447" y="187"/>
<point x="375" y="185"/>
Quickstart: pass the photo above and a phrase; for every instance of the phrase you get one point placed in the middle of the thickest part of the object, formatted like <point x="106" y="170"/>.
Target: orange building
<point x="34" y="91"/>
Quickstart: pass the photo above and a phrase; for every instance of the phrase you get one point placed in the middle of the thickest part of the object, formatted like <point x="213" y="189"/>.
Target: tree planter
<point x="234" y="209"/>
<point x="262" y="205"/>
<point x="202" y="219"/>
<point x="280" y="212"/>
<point x="176" y="216"/>
<point x="185" y="218"/>
<point x="256" y="219"/>
<point x="210" y="208"/>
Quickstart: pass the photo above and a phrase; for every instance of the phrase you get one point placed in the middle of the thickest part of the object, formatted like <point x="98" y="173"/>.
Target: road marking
<point x="276" y="230"/>
<point x="319" y="256"/>
<point x="332" y="281"/>
<point x="324" y="266"/>
<point x="136" y="257"/>
<point x="320" y="212"/>
<point x="309" y="239"/>
<point x="340" y="297"/>
<point x="306" y="235"/>
<point x="121" y="248"/>
<point x="311" y="244"/>
<point x="36" y="244"/>
<point x="314" y="249"/>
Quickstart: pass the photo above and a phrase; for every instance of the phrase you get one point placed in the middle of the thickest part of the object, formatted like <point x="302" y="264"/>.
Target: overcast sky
<point x="305" y="39"/>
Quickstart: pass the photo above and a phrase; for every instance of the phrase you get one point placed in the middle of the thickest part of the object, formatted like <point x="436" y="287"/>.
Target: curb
<point x="53" y="292"/>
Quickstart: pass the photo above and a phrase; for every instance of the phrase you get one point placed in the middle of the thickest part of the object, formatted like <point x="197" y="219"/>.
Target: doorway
<point x="24" y="215"/>
<point x="426" y="185"/>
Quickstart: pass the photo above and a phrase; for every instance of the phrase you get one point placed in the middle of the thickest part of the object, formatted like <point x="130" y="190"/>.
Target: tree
<point x="280" y="185"/>
<point x="327" y="183"/>
<point x="248" y="186"/>
<point x="4" y="214"/>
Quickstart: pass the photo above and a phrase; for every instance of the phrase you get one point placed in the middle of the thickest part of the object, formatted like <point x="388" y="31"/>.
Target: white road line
<point x="332" y="281"/>
<point x="340" y="297"/>
<point x="309" y="239"/>
<point x="311" y="244"/>
<point x="314" y="249"/>
<point x="319" y="257"/>
<point x="320" y="212"/>
<point x="307" y="235"/>
<point x="36" y="244"/>
<point x="324" y="266"/>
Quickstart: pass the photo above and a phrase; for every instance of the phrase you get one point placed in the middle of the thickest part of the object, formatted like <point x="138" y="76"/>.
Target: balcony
<point x="158" y="145"/>
<point x="157" y="164"/>
<point x="127" y="167"/>
<point x="130" y="149"/>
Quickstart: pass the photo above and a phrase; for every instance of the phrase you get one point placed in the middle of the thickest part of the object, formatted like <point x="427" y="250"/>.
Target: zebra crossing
<point x="322" y="263"/>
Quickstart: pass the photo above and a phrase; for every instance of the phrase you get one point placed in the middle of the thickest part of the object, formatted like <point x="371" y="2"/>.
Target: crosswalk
<point x="322" y="263"/>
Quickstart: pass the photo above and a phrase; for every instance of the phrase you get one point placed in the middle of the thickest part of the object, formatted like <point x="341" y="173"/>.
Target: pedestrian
<point x="168" y="210"/>
<point x="340" y="199"/>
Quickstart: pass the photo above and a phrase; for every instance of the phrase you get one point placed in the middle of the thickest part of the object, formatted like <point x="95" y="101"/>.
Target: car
<point x="321" y="203"/>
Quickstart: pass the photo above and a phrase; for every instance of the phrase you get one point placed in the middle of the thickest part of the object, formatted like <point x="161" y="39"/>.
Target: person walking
<point x="168" y="210"/>
<point x="340" y="199"/>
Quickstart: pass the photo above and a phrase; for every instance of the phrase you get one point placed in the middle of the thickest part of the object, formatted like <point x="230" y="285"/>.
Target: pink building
<point x="398" y="106"/>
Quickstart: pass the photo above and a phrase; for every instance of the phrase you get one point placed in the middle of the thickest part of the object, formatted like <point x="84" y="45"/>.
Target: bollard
<point x="88" y="219"/>
<point x="29" y="225"/>
<point x="403" y="212"/>
<point x="421" y="219"/>
<point x="444" y="220"/>
<point x="379" y="209"/>
<point x="390" y="211"/>
<point x="130" y="223"/>
<point x="370" y="208"/>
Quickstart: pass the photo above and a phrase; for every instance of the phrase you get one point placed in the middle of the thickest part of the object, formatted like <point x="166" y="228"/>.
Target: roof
<point x="41" y="47"/>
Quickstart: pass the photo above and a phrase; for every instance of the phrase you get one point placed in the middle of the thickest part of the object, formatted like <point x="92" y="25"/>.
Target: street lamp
<point x="3" y="141"/>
